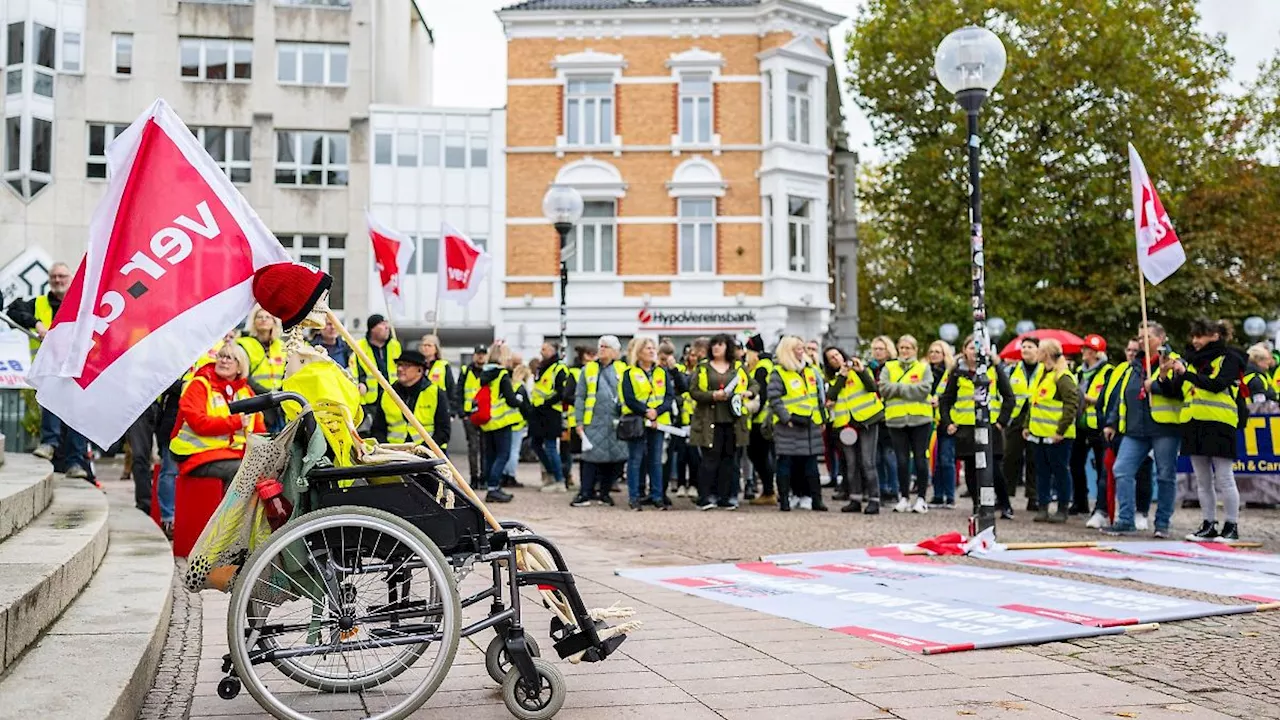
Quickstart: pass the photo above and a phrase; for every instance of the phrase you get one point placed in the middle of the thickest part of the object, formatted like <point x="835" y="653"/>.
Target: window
<point x="229" y="147"/>
<point x="407" y="149"/>
<point x="311" y="64"/>
<point x="799" y="233"/>
<point x="798" y="107"/>
<point x="12" y="144"/>
<point x="697" y="235"/>
<point x="588" y="116"/>
<point x="479" y="151"/>
<point x="46" y="44"/>
<point x="768" y="105"/>
<point x="100" y="135"/>
<point x="317" y="3"/>
<point x="71" y="52"/>
<point x="216" y="60"/>
<point x="455" y="150"/>
<point x="382" y="149"/>
<point x="13" y="82"/>
<point x="41" y="146"/>
<point x="327" y="252"/>
<point x="28" y="159"/>
<point x="768" y="233"/>
<point x="595" y="237"/>
<point x="311" y="158"/>
<point x="695" y="108"/>
<point x="43" y="83"/>
<point x="17" y="43"/>
<point x="428" y="249"/>
<point x="123" y="50"/>
<point x="430" y="151"/>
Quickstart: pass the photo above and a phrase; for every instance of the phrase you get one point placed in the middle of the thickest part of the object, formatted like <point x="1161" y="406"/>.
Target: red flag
<point x="169" y="266"/>
<point x="462" y="264"/>
<point x="392" y="252"/>
<point x="1159" y="251"/>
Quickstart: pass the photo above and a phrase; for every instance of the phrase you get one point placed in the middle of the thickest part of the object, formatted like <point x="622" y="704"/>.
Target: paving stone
<point x="1177" y="711"/>
<point x="776" y="698"/>
<point x="854" y="710"/>
<point x="1005" y="710"/>
<point x="895" y="701"/>
<point x="698" y="687"/>
<point x="1079" y="690"/>
<point x="728" y="668"/>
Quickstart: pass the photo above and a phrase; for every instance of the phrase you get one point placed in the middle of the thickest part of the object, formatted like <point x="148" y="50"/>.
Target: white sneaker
<point x="686" y="491"/>
<point x="1140" y="522"/>
<point x="554" y="487"/>
<point x="1098" y="519"/>
<point x="903" y="505"/>
<point x="920" y="507"/>
<point x="806" y="503"/>
<point x="77" y="473"/>
<point x="795" y="502"/>
<point x="44" y="452"/>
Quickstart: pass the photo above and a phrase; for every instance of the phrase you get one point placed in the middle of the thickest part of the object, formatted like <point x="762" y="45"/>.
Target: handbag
<point x="630" y="427"/>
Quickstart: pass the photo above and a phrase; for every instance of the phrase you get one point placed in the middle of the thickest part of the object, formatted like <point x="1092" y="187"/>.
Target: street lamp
<point x="969" y="63"/>
<point x="562" y="205"/>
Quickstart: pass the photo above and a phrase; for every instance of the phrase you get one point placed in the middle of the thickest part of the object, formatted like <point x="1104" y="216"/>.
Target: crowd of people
<point x="723" y="421"/>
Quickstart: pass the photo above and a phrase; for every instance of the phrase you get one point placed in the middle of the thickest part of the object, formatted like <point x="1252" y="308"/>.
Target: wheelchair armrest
<point x="377" y="470"/>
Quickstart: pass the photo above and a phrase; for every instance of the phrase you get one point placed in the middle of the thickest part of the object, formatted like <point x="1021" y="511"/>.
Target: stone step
<point x="26" y="488"/>
<point x="45" y="565"/>
<point x="98" y="660"/>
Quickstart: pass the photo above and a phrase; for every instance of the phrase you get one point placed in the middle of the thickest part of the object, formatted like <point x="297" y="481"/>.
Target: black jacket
<point x="508" y="392"/>
<point x="23" y="312"/>
<point x="964" y="434"/>
<point x="1201" y="437"/>
<point x="440" y="425"/>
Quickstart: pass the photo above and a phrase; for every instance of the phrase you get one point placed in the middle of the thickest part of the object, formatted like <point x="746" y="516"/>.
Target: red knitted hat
<point x="289" y="290"/>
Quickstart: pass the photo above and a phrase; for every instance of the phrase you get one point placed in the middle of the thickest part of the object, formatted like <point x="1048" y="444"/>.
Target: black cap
<point x="481" y="350"/>
<point x="755" y="343"/>
<point x="412" y="357"/>
<point x="374" y="320"/>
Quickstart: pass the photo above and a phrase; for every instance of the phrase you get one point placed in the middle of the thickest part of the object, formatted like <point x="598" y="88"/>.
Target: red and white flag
<point x="172" y="249"/>
<point x="1159" y="252"/>
<point x="463" y="265"/>
<point x="392" y="252"/>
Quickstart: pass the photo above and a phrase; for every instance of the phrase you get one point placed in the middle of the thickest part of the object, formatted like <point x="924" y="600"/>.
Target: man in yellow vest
<point x="1023" y="376"/>
<point x="1091" y="377"/>
<point x="37" y="315"/>
<point x="547" y="421"/>
<point x="468" y="386"/>
<point x="379" y="346"/>
<point x="1144" y="409"/>
<point x="427" y="400"/>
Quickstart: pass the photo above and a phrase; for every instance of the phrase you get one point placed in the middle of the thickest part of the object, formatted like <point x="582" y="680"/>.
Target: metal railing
<point x="12" y="411"/>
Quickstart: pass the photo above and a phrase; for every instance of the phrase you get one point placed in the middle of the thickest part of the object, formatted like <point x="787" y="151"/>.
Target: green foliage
<point x="1084" y="78"/>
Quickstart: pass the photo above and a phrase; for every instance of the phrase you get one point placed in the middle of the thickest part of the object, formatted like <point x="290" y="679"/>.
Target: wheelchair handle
<point x="258" y="403"/>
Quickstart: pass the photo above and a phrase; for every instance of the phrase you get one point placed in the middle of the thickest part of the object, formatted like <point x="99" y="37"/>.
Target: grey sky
<point x="471" y="60"/>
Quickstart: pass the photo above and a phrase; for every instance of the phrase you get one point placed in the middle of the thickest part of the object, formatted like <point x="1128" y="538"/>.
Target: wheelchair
<point x="358" y="594"/>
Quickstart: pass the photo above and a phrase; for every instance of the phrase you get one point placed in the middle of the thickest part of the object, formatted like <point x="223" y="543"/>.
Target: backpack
<point x="484" y="407"/>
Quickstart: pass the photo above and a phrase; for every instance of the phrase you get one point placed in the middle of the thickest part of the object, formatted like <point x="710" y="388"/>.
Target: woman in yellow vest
<point x="905" y="385"/>
<point x="208" y="441"/>
<point x="503" y="415"/>
<point x="855" y="404"/>
<point x="439" y="370"/>
<point x="522" y="384"/>
<point x="942" y="358"/>
<point x="796" y="397"/>
<point x="958" y="415"/>
<point x="266" y="355"/>
<point x="646" y="392"/>
<point x="1258" y="374"/>
<point x="1210" y="390"/>
<point x="1051" y="428"/>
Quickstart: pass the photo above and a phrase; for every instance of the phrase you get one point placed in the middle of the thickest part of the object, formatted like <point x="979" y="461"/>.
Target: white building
<point x="277" y="90"/>
<point x="434" y="165"/>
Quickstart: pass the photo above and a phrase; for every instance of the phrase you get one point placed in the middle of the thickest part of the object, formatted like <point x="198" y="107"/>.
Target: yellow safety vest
<point x="266" y="368"/>
<point x="1046" y="408"/>
<point x="438" y="372"/>
<point x="762" y="415"/>
<point x="895" y="408"/>
<point x="937" y="391"/>
<point x="398" y="428"/>
<point x="1100" y="382"/>
<point x="1164" y="410"/>
<point x="470" y="387"/>
<point x="44" y="314"/>
<point x="362" y="375"/>
<point x="571" y="419"/>
<point x="501" y="415"/>
<point x="650" y="391"/>
<point x="738" y="389"/>
<point x="855" y="402"/>
<point x="1207" y="406"/>
<point x="188" y="443"/>
<point x="545" y="388"/>
<point x="801" y="398"/>
<point x="1022" y="385"/>
<point x="965" y="410"/>
<point x="591" y="372"/>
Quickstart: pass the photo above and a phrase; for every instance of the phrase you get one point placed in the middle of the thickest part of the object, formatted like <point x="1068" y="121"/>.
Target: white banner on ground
<point x="863" y="605"/>
<point x="1208" y="553"/>
<point x="1068" y="600"/>
<point x="1246" y="585"/>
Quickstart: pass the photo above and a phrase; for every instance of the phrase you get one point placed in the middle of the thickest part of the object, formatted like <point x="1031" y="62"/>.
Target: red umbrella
<point x="1071" y="343"/>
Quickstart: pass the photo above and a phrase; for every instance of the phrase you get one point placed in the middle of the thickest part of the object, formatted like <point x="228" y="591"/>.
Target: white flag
<point x="1159" y="251"/>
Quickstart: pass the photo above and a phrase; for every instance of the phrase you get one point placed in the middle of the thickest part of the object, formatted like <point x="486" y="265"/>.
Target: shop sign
<point x="709" y="319"/>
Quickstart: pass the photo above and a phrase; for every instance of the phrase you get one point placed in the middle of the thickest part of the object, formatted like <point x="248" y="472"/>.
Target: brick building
<point x="696" y="131"/>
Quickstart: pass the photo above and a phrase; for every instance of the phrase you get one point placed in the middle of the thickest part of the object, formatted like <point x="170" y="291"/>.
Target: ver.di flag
<point x="462" y="265"/>
<point x="169" y="266"/>
<point x="1159" y="251"/>
<point x="392" y="252"/>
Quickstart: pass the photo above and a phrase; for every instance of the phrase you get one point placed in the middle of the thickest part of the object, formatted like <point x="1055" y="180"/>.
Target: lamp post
<point x="969" y="63"/>
<point x="562" y="205"/>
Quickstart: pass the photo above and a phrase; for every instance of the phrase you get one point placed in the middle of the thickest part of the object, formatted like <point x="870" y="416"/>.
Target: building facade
<point x="435" y="165"/>
<point x="696" y="132"/>
<point x="278" y="91"/>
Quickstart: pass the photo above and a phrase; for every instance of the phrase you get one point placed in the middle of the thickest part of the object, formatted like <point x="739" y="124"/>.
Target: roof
<point x="623" y="4"/>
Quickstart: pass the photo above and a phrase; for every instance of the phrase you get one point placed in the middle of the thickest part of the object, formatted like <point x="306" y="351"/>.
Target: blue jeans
<point x="168" y="480"/>
<point x="1133" y="451"/>
<point x="53" y="431"/>
<point x="644" y="457"/>
<point x="944" y="472"/>
<point x="497" y="446"/>
<point x="1053" y="474"/>
<point x="513" y="457"/>
<point x="549" y="455"/>
<point x="887" y="466"/>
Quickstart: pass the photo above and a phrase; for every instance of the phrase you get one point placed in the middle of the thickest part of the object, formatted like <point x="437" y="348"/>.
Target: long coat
<point x="603" y="430"/>
<point x="801" y="439"/>
<point x="701" y="431"/>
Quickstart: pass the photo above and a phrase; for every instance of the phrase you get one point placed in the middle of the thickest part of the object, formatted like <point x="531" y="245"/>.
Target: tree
<point x="1084" y="78"/>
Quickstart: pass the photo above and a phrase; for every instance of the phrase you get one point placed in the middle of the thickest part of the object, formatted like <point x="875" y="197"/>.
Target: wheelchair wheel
<point x="529" y="702"/>
<point x="496" y="660"/>
<point x="345" y="600"/>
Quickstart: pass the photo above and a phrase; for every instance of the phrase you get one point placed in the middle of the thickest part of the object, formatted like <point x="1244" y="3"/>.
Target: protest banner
<point x="1257" y="469"/>
<point x="15" y="359"/>
<point x="1218" y="555"/>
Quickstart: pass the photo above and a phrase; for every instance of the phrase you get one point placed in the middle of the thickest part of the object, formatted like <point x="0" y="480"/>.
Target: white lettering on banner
<point x="459" y="275"/>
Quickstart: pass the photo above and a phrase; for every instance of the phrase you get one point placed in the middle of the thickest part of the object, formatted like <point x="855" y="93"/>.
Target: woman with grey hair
<point x="596" y="410"/>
